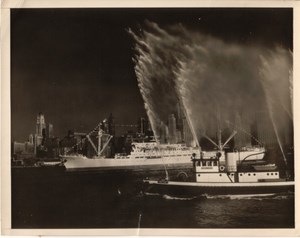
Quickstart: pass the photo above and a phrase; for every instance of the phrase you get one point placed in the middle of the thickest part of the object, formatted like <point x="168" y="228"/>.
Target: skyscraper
<point x="187" y="134"/>
<point x="111" y="125"/>
<point x="179" y="111"/>
<point x="243" y="136"/>
<point x="40" y="124"/>
<point x="40" y="129"/>
<point x="179" y="122"/>
<point x="265" y="130"/>
<point x="162" y="133"/>
<point x="142" y="125"/>
<point x="49" y="131"/>
<point x="31" y="139"/>
<point x="178" y="136"/>
<point x="172" y="129"/>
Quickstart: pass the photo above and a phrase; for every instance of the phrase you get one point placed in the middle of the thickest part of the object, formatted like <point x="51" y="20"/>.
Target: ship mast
<point x="219" y="144"/>
<point x="99" y="141"/>
<point x="219" y="131"/>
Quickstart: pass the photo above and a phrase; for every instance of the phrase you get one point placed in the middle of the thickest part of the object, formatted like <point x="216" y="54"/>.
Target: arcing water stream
<point x="174" y="64"/>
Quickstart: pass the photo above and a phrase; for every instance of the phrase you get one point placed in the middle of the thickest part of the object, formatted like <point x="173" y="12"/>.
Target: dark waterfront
<point x="53" y="198"/>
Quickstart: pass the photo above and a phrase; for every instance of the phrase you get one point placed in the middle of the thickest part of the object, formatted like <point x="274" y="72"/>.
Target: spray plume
<point x="210" y="77"/>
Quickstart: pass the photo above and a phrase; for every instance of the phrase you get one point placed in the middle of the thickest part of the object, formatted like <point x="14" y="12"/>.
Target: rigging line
<point x="75" y="145"/>
<point x="95" y="129"/>
<point x="118" y="125"/>
<point x="244" y="131"/>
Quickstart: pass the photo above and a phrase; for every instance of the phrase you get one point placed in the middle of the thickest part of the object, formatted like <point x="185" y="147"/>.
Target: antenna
<point x="219" y="132"/>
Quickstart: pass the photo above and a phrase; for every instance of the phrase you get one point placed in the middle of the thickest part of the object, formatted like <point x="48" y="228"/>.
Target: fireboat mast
<point x="219" y="144"/>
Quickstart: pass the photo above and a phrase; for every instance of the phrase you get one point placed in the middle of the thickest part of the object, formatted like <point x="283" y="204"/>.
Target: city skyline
<point x="75" y="65"/>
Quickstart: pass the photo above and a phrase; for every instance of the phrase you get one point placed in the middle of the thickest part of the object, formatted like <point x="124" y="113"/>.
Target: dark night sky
<point x="75" y="65"/>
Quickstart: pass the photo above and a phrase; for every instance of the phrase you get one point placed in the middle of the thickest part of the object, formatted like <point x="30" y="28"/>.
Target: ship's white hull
<point x="155" y="161"/>
<point x="83" y="163"/>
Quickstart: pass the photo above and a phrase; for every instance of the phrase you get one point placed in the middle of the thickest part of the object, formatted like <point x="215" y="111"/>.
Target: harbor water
<point x="54" y="198"/>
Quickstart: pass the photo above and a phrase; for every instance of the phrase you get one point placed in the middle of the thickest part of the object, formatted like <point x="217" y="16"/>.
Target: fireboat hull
<point x="188" y="189"/>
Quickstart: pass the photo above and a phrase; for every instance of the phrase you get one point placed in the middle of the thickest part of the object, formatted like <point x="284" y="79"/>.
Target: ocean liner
<point x="144" y="155"/>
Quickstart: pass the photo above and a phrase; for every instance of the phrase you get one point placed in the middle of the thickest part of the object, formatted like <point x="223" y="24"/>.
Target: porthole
<point x="275" y="173"/>
<point x="249" y="174"/>
<point x="267" y="173"/>
<point x="198" y="175"/>
<point x="271" y="173"/>
<point x="254" y="174"/>
<point x="220" y="174"/>
<point x="241" y="174"/>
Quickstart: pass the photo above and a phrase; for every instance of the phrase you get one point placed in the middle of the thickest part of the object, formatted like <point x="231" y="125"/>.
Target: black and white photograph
<point x="151" y="118"/>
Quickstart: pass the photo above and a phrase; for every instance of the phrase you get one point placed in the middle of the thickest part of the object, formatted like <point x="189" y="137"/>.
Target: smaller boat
<point x="222" y="175"/>
<point x="54" y="162"/>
